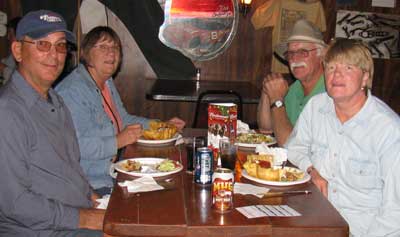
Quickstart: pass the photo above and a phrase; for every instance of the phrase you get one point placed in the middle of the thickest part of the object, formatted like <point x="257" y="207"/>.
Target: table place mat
<point x="256" y="211"/>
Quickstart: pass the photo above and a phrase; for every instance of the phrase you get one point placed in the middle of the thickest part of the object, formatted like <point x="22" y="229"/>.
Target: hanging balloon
<point x="201" y="30"/>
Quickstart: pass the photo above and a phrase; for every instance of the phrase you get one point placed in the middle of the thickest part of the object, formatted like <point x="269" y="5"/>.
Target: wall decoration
<point x="384" y="3"/>
<point x="3" y="22"/>
<point x="379" y="31"/>
<point x="201" y="30"/>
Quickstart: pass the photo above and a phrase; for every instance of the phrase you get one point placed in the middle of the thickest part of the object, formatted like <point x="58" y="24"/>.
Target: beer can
<point x="222" y="189"/>
<point x="204" y="166"/>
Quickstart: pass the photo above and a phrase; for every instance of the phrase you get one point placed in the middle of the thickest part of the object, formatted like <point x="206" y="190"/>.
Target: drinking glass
<point x="191" y="144"/>
<point x="228" y="154"/>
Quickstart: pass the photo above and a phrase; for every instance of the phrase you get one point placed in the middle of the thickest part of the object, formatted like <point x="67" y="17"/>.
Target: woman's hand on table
<point x="179" y="123"/>
<point x="129" y="135"/>
<point x="94" y="197"/>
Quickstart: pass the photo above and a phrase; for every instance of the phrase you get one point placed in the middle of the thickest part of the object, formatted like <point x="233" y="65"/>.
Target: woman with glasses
<point x="103" y="126"/>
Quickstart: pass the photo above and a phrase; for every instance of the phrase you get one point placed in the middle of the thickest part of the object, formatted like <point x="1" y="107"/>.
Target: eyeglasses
<point x="45" y="46"/>
<point x="301" y="52"/>
<point x="105" y="49"/>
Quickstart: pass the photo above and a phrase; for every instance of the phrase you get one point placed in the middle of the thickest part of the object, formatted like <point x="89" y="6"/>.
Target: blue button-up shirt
<point x="95" y="130"/>
<point x="42" y="184"/>
<point x="360" y="159"/>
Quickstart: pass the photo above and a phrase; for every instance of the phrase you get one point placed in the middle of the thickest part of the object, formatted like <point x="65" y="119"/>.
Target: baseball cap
<point x="39" y="24"/>
<point x="303" y="31"/>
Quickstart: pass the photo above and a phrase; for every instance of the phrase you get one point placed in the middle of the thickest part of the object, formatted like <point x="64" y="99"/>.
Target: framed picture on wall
<point x="379" y="31"/>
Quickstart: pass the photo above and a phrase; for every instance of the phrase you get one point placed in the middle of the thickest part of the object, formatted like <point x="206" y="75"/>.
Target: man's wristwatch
<point x="277" y="104"/>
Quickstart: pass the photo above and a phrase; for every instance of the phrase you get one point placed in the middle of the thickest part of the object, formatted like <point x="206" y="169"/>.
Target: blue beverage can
<point x="204" y="166"/>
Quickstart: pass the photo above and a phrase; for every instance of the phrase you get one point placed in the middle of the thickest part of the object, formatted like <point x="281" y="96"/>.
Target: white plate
<point x="148" y="167"/>
<point x="159" y="142"/>
<point x="305" y="179"/>
<point x="253" y="145"/>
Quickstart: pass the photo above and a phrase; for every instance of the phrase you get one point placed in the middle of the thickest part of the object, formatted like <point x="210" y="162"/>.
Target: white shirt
<point x="360" y="159"/>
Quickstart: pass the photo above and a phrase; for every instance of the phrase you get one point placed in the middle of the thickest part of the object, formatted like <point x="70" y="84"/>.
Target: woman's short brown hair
<point x="352" y="52"/>
<point x="93" y="36"/>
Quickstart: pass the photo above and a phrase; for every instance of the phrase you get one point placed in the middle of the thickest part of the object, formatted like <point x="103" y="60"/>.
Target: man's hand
<point x="129" y="135"/>
<point x="179" y="123"/>
<point x="91" y="219"/>
<point x="320" y="182"/>
<point x="275" y="86"/>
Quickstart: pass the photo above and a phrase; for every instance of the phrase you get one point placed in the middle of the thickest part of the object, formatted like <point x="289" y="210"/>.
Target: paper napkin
<point x="143" y="184"/>
<point x="242" y="188"/>
<point x="180" y="140"/>
<point x="242" y="127"/>
<point x="103" y="202"/>
<point x="280" y="154"/>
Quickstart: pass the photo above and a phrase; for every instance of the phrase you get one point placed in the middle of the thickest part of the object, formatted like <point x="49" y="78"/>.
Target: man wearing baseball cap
<point x="44" y="191"/>
<point x="281" y="105"/>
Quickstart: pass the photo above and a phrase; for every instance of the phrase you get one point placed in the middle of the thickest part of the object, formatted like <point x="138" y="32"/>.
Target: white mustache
<point x="298" y="64"/>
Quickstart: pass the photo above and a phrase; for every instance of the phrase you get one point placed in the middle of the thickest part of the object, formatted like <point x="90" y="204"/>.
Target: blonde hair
<point x="352" y="52"/>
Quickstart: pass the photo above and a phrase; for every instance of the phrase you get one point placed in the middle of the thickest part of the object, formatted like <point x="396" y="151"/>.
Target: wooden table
<point x="189" y="90"/>
<point x="184" y="209"/>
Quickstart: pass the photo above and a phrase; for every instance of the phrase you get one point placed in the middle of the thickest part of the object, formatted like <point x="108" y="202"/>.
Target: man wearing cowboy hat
<point x="44" y="191"/>
<point x="281" y="105"/>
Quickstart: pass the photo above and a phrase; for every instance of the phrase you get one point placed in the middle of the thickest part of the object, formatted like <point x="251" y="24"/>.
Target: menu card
<point x="267" y="210"/>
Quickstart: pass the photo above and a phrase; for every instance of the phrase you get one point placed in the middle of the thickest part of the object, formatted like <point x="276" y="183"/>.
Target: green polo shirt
<point x="295" y="99"/>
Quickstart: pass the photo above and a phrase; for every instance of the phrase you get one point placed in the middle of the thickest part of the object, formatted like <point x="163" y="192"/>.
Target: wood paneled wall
<point x="248" y="58"/>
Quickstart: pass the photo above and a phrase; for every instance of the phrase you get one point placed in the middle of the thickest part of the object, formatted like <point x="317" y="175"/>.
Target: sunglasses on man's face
<point x="45" y="46"/>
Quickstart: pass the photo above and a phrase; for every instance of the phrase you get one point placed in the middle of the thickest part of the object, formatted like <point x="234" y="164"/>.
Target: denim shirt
<point x="95" y="130"/>
<point x="359" y="158"/>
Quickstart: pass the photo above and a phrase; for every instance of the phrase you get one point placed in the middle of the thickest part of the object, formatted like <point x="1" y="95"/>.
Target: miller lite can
<point x="222" y="189"/>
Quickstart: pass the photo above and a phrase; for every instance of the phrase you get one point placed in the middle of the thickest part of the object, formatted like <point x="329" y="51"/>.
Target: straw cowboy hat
<point x="303" y="31"/>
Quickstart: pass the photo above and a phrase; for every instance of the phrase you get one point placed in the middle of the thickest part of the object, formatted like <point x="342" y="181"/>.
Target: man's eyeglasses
<point x="45" y="46"/>
<point x="301" y="52"/>
<point x="105" y="49"/>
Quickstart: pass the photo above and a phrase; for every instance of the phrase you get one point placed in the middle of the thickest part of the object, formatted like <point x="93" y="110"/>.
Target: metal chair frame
<point x="218" y="100"/>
